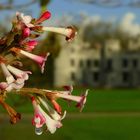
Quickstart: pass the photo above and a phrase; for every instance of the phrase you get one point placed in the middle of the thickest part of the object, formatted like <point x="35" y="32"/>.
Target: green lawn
<point x="113" y="100"/>
<point x="127" y="100"/>
<point x="96" y="127"/>
<point x="101" y="128"/>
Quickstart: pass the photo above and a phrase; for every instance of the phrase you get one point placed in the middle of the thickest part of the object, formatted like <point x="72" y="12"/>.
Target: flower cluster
<point x="18" y="43"/>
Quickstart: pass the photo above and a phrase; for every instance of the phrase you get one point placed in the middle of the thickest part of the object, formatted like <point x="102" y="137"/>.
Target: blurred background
<point x="104" y="57"/>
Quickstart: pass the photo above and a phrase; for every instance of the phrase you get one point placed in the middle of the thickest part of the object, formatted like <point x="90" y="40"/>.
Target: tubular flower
<point x="30" y="45"/>
<point x="26" y="32"/>
<point x="82" y="102"/>
<point x="25" y="19"/>
<point x="13" y="83"/>
<point x="51" y="124"/>
<point x="46" y="15"/>
<point x="3" y="86"/>
<point x="38" y="59"/>
<point x="19" y="73"/>
<point x="7" y="74"/>
<point x="68" y="32"/>
<point x="51" y="111"/>
<point x="41" y="118"/>
<point x="53" y="95"/>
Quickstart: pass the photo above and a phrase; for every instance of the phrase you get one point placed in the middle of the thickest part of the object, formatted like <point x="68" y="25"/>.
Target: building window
<point x="96" y="63"/>
<point x="81" y="63"/>
<point x="72" y="62"/>
<point x="125" y="77"/>
<point x="125" y="63"/>
<point x="95" y="76"/>
<point x="88" y="63"/>
<point x="73" y="76"/>
<point x="135" y="63"/>
<point x="109" y="65"/>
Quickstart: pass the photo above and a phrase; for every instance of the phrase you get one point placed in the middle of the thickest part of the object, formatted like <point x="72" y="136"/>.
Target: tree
<point x="111" y="3"/>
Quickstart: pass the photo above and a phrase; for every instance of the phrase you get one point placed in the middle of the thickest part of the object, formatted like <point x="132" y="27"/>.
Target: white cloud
<point x="129" y="26"/>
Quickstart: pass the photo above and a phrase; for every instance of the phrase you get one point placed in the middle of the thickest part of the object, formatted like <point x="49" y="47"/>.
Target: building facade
<point x="108" y="65"/>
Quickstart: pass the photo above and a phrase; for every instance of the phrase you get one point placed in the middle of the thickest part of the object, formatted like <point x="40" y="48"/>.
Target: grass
<point x="110" y="100"/>
<point x="101" y="128"/>
<point x="98" y="127"/>
<point x="113" y="100"/>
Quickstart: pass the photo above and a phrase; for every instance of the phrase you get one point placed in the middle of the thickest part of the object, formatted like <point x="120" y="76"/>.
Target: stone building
<point x="79" y="64"/>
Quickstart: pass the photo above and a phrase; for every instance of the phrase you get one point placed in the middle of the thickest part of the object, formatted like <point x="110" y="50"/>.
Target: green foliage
<point x="43" y="4"/>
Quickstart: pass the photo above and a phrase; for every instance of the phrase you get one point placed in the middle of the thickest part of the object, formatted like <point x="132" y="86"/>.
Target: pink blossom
<point x="82" y="102"/>
<point x="19" y="73"/>
<point x="38" y="59"/>
<point x="51" y="124"/>
<point x="68" y="32"/>
<point x="52" y="112"/>
<point x="30" y="45"/>
<point x="26" y="32"/>
<point x="3" y="85"/>
<point x="38" y="119"/>
<point x="41" y="118"/>
<point x="52" y="95"/>
<point x="46" y="15"/>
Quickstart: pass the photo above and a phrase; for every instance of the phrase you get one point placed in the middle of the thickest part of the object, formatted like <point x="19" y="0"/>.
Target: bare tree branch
<point x="10" y="5"/>
<point x="111" y="3"/>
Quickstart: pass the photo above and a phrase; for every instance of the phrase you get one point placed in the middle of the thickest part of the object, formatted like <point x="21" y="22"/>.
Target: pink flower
<point x="46" y="15"/>
<point x="3" y="85"/>
<point x="68" y="32"/>
<point x="38" y="120"/>
<point x="82" y="102"/>
<point x="26" y="32"/>
<point x="19" y="73"/>
<point x="53" y="95"/>
<point x="41" y="118"/>
<point x="51" y="124"/>
<point x="51" y="111"/>
<point x="13" y="83"/>
<point x="30" y="45"/>
<point x="38" y="59"/>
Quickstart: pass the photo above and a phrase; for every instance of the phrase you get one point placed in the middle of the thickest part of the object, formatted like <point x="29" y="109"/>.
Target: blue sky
<point x="61" y="7"/>
<point x="74" y="7"/>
